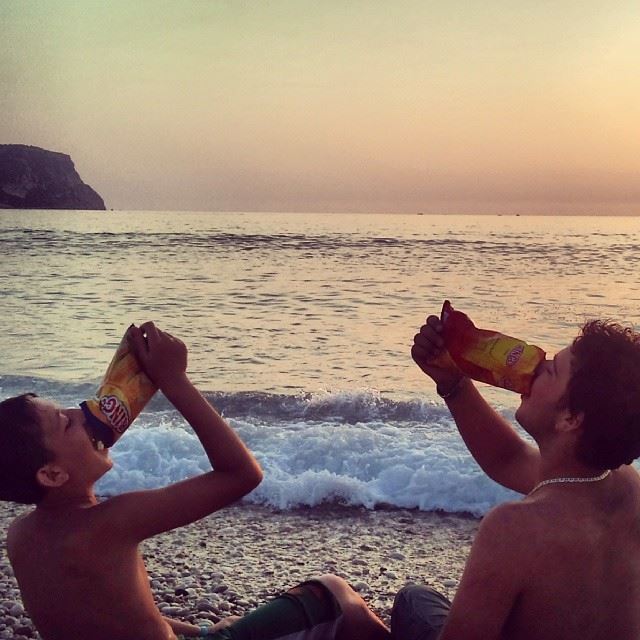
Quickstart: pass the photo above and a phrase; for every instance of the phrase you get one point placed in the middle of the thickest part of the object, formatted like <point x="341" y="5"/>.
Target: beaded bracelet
<point x="453" y="391"/>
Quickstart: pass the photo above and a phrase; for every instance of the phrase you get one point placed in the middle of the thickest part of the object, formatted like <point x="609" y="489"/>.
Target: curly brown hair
<point x="22" y="450"/>
<point x="605" y="388"/>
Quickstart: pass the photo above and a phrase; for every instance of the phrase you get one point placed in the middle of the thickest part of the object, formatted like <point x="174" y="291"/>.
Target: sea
<point x="299" y="329"/>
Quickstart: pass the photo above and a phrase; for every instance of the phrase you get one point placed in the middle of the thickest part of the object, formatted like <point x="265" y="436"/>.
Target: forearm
<point x="491" y="440"/>
<point x="224" y="448"/>
<point x="191" y="630"/>
<point x="182" y="628"/>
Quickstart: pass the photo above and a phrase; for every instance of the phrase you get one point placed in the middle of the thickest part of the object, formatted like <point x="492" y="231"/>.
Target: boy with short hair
<point x="77" y="561"/>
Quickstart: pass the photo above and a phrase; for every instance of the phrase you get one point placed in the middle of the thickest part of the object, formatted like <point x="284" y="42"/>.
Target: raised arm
<point x="235" y="471"/>
<point x="495" y="445"/>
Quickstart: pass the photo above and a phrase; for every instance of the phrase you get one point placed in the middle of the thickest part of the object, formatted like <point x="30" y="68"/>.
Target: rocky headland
<point x="34" y="178"/>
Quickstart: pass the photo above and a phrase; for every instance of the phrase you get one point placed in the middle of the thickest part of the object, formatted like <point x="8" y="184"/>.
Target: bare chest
<point x="67" y="577"/>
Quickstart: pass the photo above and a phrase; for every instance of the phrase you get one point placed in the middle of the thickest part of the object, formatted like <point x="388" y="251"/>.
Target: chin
<point x="108" y="465"/>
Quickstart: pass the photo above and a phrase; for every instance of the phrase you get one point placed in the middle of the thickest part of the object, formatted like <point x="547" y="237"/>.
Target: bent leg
<point x="322" y="609"/>
<point x="358" y="621"/>
<point x="308" y="611"/>
<point x="419" y="613"/>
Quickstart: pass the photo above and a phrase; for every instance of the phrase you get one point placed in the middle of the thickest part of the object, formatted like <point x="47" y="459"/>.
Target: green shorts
<point x="309" y="611"/>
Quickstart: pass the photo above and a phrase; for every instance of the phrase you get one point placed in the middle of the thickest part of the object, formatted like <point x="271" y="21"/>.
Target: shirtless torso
<point x="76" y="559"/>
<point x="580" y="553"/>
<point x="79" y="578"/>
<point x="562" y="563"/>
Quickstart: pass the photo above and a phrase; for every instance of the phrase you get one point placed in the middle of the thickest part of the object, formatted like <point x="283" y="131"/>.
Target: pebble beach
<point x="240" y="557"/>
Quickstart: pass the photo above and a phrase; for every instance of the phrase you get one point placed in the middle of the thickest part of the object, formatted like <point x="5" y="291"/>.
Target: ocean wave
<point x="362" y="405"/>
<point x="350" y="447"/>
<point x="408" y="465"/>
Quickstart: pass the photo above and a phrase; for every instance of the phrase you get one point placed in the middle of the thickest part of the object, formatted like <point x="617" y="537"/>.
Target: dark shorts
<point x="309" y="611"/>
<point x="419" y="613"/>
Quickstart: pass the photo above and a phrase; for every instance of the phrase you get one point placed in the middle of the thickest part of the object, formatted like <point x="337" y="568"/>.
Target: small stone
<point x="171" y="611"/>
<point x="16" y="610"/>
<point x="204" y="605"/>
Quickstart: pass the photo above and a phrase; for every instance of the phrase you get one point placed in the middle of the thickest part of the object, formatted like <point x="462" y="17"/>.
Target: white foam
<point x="308" y="463"/>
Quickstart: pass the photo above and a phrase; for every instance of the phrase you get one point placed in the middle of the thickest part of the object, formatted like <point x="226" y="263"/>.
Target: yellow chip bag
<point x="489" y="356"/>
<point x="123" y="393"/>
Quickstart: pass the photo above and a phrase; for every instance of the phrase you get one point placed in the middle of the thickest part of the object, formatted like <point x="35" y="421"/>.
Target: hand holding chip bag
<point x="489" y="356"/>
<point x="123" y="393"/>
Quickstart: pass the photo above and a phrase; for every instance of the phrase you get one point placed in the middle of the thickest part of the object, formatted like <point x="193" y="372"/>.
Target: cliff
<point x="34" y="178"/>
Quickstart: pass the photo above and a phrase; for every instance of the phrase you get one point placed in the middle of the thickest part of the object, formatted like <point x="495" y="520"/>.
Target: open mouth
<point x="98" y="445"/>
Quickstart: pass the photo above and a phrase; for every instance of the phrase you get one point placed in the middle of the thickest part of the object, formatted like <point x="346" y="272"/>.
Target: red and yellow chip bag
<point x="489" y="356"/>
<point x="123" y="393"/>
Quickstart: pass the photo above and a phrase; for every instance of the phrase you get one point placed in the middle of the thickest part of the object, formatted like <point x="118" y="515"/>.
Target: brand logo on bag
<point x="115" y="412"/>
<point x="514" y="355"/>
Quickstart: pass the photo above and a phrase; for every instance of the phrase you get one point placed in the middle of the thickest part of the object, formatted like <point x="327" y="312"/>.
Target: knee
<point x="408" y="594"/>
<point x="338" y="586"/>
<point x="418" y="609"/>
<point x="414" y="599"/>
<point x="350" y="600"/>
<point x="332" y="579"/>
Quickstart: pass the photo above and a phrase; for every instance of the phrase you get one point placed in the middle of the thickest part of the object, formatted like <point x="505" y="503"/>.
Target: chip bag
<point x="123" y="393"/>
<point x="489" y="356"/>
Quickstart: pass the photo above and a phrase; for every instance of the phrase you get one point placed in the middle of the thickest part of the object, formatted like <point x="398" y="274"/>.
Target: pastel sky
<point x="481" y="106"/>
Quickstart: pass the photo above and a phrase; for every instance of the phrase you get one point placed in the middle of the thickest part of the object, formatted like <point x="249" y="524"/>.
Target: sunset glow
<point x="411" y="106"/>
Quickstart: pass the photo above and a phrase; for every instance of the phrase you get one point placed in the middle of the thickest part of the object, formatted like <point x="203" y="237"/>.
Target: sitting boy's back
<point x="76" y="560"/>
<point x="74" y="577"/>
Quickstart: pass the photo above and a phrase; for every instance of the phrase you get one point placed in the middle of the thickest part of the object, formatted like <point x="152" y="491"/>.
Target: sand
<point x="238" y="558"/>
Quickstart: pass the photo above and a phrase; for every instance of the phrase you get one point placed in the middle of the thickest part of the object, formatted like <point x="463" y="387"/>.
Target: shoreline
<point x="240" y="557"/>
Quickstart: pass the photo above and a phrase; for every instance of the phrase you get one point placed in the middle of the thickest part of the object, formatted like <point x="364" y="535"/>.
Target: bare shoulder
<point x="507" y="530"/>
<point x="513" y="532"/>
<point x="628" y="475"/>
<point x="508" y="518"/>
<point x="16" y="529"/>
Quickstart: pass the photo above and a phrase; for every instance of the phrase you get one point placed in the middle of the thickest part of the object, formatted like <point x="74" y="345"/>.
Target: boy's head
<point x="22" y="450"/>
<point x="604" y="388"/>
<point x="591" y="390"/>
<point x="44" y="447"/>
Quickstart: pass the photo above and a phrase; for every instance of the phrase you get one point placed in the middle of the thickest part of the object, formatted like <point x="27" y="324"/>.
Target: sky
<point x="398" y="106"/>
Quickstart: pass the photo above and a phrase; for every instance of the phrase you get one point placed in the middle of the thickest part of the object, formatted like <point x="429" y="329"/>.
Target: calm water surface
<point x="277" y="302"/>
<point x="299" y="328"/>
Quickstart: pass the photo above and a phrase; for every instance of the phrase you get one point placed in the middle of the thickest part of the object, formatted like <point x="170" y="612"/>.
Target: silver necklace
<point x="602" y="476"/>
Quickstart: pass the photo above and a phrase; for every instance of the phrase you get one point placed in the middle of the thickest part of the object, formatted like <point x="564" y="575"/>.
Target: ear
<point x="51" y="475"/>
<point x="568" y="422"/>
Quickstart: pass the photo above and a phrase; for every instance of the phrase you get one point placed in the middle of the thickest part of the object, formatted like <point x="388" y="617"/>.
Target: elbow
<point x="253" y="476"/>
<point x="259" y="475"/>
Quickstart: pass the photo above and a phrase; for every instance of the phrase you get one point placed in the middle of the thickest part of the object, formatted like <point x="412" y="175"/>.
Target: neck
<point x="64" y="501"/>
<point x="567" y="471"/>
<point x="560" y="462"/>
<point x="548" y="472"/>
